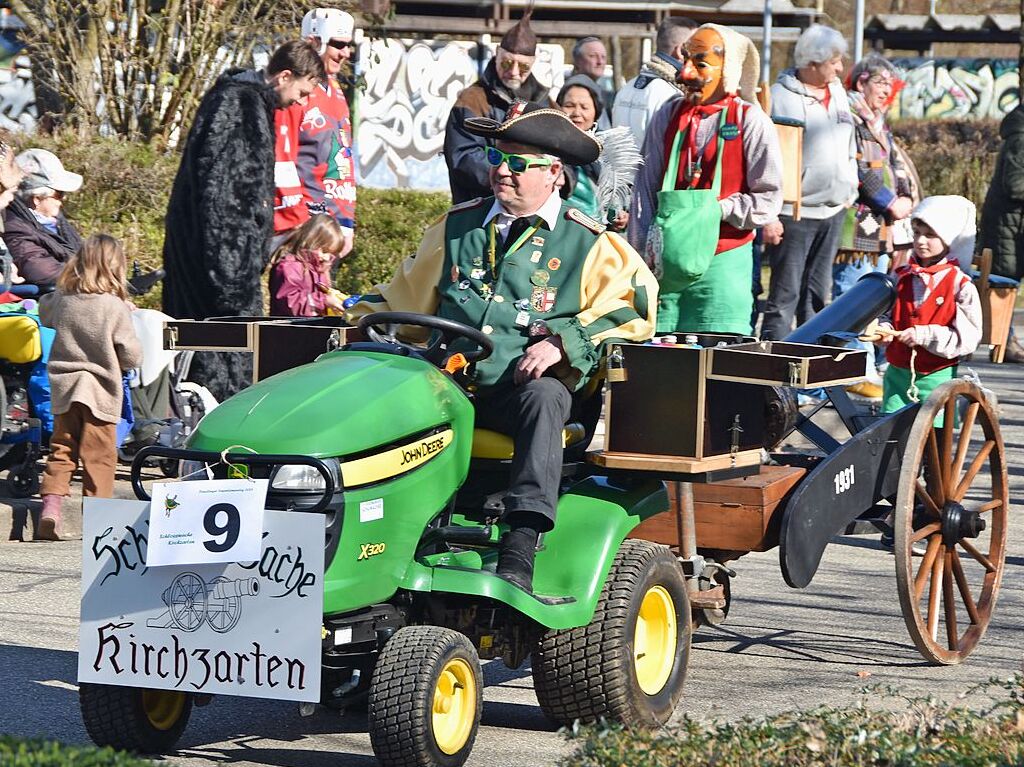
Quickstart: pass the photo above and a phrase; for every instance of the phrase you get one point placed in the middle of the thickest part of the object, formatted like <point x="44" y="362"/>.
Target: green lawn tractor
<point x="411" y="601"/>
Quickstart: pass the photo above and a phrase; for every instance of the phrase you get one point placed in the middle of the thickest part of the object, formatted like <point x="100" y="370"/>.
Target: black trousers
<point x="534" y="415"/>
<point x="801" y="281"/>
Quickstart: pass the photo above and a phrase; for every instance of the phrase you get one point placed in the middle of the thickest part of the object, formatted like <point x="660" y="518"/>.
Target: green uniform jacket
<point x="587" y="285"/>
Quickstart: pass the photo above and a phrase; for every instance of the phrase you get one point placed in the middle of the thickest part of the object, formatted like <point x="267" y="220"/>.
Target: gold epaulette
<point x="581" y="218"/>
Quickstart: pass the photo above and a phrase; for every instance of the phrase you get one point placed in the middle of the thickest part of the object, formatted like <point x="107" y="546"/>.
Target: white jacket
<point x="641" y="97"/>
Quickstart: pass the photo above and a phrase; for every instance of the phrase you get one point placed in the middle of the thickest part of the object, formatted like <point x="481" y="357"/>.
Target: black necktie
<point x="515" y="231"/>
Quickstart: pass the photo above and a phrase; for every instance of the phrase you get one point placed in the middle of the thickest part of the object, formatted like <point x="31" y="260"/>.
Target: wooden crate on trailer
<point x="741" y="514"/>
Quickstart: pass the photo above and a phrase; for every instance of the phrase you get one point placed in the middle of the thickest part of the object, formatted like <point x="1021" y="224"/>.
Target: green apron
<point x="687" y="224"/>
<point x="700" y="292"/>
<point x="896" y="383"/>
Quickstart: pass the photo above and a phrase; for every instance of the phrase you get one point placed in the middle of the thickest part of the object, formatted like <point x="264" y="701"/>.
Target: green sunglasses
<point x="517" y="163"/>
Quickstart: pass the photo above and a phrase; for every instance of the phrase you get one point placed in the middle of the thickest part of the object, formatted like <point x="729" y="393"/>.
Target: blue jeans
<point x="844" y="276"/>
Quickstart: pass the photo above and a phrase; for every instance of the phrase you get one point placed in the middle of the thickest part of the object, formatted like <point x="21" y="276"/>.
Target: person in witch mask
<point x="712" y="173"/>
<point x="506" y="79"/>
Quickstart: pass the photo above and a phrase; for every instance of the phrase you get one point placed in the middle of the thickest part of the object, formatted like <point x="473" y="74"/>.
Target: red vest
<point x="938" y="308"/>
<point x="734" y="167"/>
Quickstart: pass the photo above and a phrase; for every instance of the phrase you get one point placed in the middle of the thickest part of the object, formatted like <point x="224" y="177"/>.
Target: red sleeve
<point x="291" y="289"/>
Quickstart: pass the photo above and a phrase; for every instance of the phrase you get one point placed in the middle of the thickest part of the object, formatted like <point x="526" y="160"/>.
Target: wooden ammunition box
<point x="277" y="343"/>
<point x="741" y="514"/>
<point x="778" y="363"/>
<point x="665" y="414"/>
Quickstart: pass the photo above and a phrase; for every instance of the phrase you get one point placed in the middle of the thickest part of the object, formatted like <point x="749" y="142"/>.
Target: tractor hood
<point x="345" y="403"/>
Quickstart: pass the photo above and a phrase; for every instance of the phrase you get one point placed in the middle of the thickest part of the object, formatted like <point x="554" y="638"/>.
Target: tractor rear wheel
<point x="629" y="663"/>
<point x="133" y="719"/>
<point x="425" y="699"/>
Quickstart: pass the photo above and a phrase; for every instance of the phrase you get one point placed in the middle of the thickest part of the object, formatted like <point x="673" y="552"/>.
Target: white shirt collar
<point x="548" y="212"/>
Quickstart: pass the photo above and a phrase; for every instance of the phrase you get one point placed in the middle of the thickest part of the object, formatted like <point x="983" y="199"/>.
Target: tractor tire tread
<point x="578" y="673"/>
<point x="112" y="717"/>
<point x="401" y="684"/>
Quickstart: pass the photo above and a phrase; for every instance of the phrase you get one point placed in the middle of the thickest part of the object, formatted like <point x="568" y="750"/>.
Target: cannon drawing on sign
<point x="191" y="601"/>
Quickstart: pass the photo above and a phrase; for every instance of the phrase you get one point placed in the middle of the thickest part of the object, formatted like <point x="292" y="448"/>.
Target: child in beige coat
<point x="95" y="343"/>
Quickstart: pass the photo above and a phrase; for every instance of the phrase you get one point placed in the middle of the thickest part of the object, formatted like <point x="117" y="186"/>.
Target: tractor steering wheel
<point x="382" y="327"/>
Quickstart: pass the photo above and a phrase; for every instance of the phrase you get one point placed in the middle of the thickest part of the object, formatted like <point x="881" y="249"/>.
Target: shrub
<point x="909" y="732"/>
<point x="952" y="156"/>
<point x="16" y="752"/>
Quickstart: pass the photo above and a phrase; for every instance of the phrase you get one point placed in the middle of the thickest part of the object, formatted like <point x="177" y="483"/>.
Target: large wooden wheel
<point x="950" y="520"/>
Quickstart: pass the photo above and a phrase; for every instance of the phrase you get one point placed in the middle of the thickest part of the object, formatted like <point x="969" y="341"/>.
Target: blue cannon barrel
<point x="873" y="295"/>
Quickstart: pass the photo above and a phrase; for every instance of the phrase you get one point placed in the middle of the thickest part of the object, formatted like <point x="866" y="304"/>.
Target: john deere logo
<point x="367" y="550"/>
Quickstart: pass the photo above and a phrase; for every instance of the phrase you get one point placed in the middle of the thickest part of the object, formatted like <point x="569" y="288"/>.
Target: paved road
<point x="780" y="649"/>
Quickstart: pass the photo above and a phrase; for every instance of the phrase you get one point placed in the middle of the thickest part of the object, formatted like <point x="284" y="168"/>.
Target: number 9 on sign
<point x="221" y="519"/>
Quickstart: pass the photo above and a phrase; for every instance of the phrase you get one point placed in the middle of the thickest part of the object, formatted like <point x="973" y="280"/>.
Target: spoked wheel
<point x="629" y="663"/>
<point x="186" y="599"/>
<point x="133" y="719"/>
<point x="426" y="694"/>
<point x="950" y="524"/>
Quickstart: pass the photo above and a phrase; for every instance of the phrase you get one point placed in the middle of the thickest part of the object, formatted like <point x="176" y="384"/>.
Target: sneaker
<point x="865" y="390"/>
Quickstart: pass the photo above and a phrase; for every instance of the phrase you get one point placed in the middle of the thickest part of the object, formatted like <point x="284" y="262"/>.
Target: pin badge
<point x="522" y="304"/>
<point x="522" y="319"/>
<point x="535" y="257"/>
<point x="537" y="242"/>
<point x="477" y="274"/>
<point x="464" y="285"/>
<point x="554" y="263"/>
<point x="540" y="277"/>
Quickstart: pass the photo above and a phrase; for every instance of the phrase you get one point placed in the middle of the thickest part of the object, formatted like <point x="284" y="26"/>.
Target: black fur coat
<point x="219" y="218"/>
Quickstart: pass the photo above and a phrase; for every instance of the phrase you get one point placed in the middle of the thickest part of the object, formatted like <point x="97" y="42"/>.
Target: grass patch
<point x="17" y="752"/>
<point x="886" y="729"/>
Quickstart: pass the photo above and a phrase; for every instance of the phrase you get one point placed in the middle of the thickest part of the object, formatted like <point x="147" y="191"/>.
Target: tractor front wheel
<point x="629" y="663"/>
<point x="426" y="694"/>
<point x="133" y="719"/>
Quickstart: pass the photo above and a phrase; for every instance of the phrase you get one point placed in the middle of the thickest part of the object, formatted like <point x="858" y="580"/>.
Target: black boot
<point x="1014" y="351"/>
<point x="515" y="557"/>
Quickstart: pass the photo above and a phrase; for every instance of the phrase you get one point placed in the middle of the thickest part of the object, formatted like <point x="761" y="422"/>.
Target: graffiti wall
<point x="410" y="88"/>
<point x="938" y="88"/>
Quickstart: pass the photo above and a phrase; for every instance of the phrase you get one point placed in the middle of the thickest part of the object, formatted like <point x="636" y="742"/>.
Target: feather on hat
<point x="742" y="67"/>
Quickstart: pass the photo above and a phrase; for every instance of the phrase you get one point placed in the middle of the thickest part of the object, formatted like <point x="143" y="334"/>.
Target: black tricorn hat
<point x="549" y="130"/>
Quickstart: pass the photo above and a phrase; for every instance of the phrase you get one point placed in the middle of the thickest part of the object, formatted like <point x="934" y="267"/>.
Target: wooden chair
<point x="997" y="302"/>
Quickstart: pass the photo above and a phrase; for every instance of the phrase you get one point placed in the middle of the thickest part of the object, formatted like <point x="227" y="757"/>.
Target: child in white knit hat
<point x="936" y="319"/>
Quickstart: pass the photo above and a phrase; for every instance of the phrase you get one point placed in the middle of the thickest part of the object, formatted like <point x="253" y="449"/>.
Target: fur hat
<point x="549" y="130"/>
<point x="952" y="218"/>
<point x="520" y="38"/>
<point x="742" y="62"/>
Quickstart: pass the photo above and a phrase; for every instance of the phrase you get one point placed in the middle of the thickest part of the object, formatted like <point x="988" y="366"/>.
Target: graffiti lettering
<point x="958" y="88"/>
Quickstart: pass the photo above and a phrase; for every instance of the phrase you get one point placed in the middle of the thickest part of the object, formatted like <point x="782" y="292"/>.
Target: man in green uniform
<point x="548" y="284"/>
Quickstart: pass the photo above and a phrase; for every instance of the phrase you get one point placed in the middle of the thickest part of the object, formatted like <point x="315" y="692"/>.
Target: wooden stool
<point x="997" y="302"/>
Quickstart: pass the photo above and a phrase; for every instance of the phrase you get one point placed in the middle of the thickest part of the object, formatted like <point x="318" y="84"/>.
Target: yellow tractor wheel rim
<point x="454" y="707"/>
<point x="163" y="707"/>
<point x="654" y="640"/>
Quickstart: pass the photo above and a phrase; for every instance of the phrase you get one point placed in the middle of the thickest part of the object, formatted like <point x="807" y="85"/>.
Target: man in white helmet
<point x="315" y="171"/>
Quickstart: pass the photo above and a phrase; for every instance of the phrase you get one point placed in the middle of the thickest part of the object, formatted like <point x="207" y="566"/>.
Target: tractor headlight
<point x="299" y="478"/>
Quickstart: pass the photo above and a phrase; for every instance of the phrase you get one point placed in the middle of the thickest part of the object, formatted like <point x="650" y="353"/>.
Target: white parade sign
<point x="217" y="520"/>
<point x="250" y="628"/>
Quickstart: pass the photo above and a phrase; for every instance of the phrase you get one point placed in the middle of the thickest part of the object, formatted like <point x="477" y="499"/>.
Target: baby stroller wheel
<point x="23" y="482"/>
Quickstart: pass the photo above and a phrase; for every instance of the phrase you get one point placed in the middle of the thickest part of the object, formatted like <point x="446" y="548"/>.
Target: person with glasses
<point x="38" y="234"/>
<point x="315" y="170"/>
<point x="506" y="79"/>
<point x="547" y="284"/>
<point x="883" y="197"/>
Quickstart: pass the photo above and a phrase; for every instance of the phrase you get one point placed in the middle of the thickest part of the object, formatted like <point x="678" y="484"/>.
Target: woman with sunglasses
<point x="316" y="173"/>
<point x="39" y="236"/>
